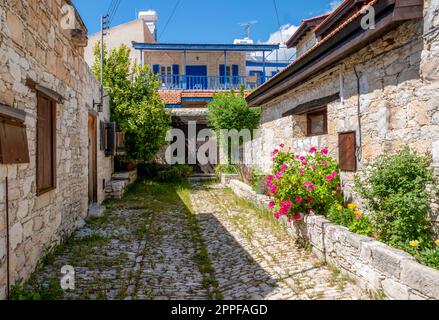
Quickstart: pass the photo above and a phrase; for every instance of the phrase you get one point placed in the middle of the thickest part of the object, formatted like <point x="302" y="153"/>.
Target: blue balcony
<point x="214" y="83"/>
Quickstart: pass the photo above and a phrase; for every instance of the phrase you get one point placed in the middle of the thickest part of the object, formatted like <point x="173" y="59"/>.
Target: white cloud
<point x="281" y="37"/>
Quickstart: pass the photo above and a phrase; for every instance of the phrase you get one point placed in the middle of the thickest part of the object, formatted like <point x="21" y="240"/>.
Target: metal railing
<point x="184" y="82"/>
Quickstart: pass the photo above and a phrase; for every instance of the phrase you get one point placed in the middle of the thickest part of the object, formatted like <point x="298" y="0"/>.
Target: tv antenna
<point x="247" y="27"/>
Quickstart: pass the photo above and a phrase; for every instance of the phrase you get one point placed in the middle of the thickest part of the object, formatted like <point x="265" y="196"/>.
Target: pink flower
<point x="286" y="203"/>
<point x="278" y="175"/>
<point x="281" y="145"/>
<point x="325" y="163"/>
<point x="273" y="189"/>
<point x="283" y="168"/>
<point x="284" y="211"/>
<point x="313" y="150"/>
<point x="289" y="219"/>
<point x="301" y="172"/>
<point x="358" y="216"/>
<point x="324" y="151"/>
<point x="334" y="173"/>
<point x="270" y="177"/>
<point x="297" y="216"/>
<point x="271" y="204"/>
<point x="302" y="158"/>
<point x="269" y="183"/>
<point x="329" y="178"/>
<point x="304" y="163"/>
<point x="314" y="167"/>
<point x="275" y="151"/>
<point x="277" y="215"/>
<point x="299" y="200"/>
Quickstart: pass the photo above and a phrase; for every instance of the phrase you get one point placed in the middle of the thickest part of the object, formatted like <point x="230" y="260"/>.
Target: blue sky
<point x="210" y="21"/>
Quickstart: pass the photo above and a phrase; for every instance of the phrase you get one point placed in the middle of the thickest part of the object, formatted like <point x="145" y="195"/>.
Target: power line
<point x="113" y="13"/>
<point x="170" y="18"/>
<point x="278" y="20"/>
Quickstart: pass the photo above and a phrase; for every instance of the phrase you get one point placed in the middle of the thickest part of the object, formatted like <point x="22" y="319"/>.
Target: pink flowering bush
<point x="301" y="185"/>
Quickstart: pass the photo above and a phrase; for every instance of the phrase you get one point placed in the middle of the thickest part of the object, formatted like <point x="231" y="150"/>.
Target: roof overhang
<point x="304" y="28"/>
<point x="346" y="41"/>
<point x="205" y="47"/>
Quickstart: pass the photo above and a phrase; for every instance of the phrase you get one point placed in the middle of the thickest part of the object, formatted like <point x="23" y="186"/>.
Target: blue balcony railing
<point x="183" y="82"/>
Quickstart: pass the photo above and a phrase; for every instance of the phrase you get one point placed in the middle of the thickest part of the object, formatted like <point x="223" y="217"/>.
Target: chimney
<point x="150" y="17"/>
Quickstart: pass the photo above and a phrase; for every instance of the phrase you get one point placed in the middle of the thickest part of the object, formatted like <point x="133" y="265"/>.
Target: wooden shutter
<point x="13" y="138"/>
<point x="101" y="135"/>
<point x="347" y="151"/>
<point x="46" y="144"/>
<point x="110" y="129"/>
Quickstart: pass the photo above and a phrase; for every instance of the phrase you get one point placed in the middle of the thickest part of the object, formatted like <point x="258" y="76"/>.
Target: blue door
<point x="196" y="77"/>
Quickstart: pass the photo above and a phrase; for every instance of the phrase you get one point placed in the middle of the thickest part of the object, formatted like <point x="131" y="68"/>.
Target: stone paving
<point x="154" y="245"/>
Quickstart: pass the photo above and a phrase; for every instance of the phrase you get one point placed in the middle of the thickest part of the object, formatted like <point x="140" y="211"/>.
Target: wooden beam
<point x="312" y="105"/>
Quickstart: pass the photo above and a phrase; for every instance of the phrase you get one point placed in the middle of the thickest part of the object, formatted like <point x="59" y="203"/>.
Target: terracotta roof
<point x="170" y="96"/>
<point x="305" y="26"/>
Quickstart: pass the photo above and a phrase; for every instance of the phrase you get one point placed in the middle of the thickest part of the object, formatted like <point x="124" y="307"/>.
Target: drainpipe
<point x="360" y="144"/>
<point x="7" y="240"/>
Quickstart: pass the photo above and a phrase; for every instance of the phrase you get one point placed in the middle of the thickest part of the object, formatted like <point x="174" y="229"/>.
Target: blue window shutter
<point x="222" y="73"/>
<point x="156" y="68"/>
<point x="175" y="69"/>
<point x="235" y="74"/>
<point x="175" y="74"/>
<point x="235" y="70"/>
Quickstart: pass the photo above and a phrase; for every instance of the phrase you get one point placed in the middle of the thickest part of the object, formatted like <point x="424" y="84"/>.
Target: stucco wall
<point x="33" y="45"/>
<point x="210" y="59"/>
<point x="135" y="30"/>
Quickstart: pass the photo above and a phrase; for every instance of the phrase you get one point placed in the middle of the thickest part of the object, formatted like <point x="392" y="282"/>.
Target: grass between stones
<point x="130" y="219"/>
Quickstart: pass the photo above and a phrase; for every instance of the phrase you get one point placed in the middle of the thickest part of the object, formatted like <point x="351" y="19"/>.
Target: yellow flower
<point x="352" y="206"/>
<point x="358" y="213"/>
<point x="437" y="242"/>
<point x="340" y="207"/>
<point x="414" y="243"/>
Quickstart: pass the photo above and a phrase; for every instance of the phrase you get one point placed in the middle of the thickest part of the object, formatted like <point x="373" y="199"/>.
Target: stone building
<point x="53" y="165"/>
<point x="359" y="91"/>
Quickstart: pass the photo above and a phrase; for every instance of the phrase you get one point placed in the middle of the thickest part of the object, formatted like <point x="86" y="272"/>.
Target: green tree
<point x="230" y="111"/>
<point x="134" y="102"/>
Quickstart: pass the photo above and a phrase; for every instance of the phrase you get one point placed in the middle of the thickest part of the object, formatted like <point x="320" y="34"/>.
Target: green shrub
<point x="396" y="195"/>
<point x="226" y="168"/>
<point x="162" y="172"/>
<point x="34" y="291"/>
<point x="350" y="217"/>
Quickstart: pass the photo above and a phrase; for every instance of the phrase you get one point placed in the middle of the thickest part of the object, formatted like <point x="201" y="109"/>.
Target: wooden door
<point x="92" y="160"/>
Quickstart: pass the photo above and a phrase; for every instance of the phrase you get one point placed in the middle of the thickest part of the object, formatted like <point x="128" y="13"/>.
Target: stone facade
<point x="33" y="45"/>
<point x="399" y="99"/>
<point x="374" y="265"/>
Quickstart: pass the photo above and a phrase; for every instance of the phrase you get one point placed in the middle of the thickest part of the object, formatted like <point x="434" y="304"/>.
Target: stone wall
<point x="33" y="45"/>
<point x="374" y="265"/>
<point x="399" y="100"/>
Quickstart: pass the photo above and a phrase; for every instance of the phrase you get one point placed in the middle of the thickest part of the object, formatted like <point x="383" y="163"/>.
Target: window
<point x="46" y="144"/>
<point x="317" y="123"/>
<point x="347" y="151"/>
<point x="166" y="70"/>
<point x="13" y="138"/>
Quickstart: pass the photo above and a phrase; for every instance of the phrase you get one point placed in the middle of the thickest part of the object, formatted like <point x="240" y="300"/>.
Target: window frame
<point x="52" y="103"/>
<point x="323" y="111"/>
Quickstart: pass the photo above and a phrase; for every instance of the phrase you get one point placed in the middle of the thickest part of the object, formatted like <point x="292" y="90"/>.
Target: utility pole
<point x="104" y="26"/>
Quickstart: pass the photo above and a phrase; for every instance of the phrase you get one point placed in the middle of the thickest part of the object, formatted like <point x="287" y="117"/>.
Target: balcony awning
<point x="205" y="47"/>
